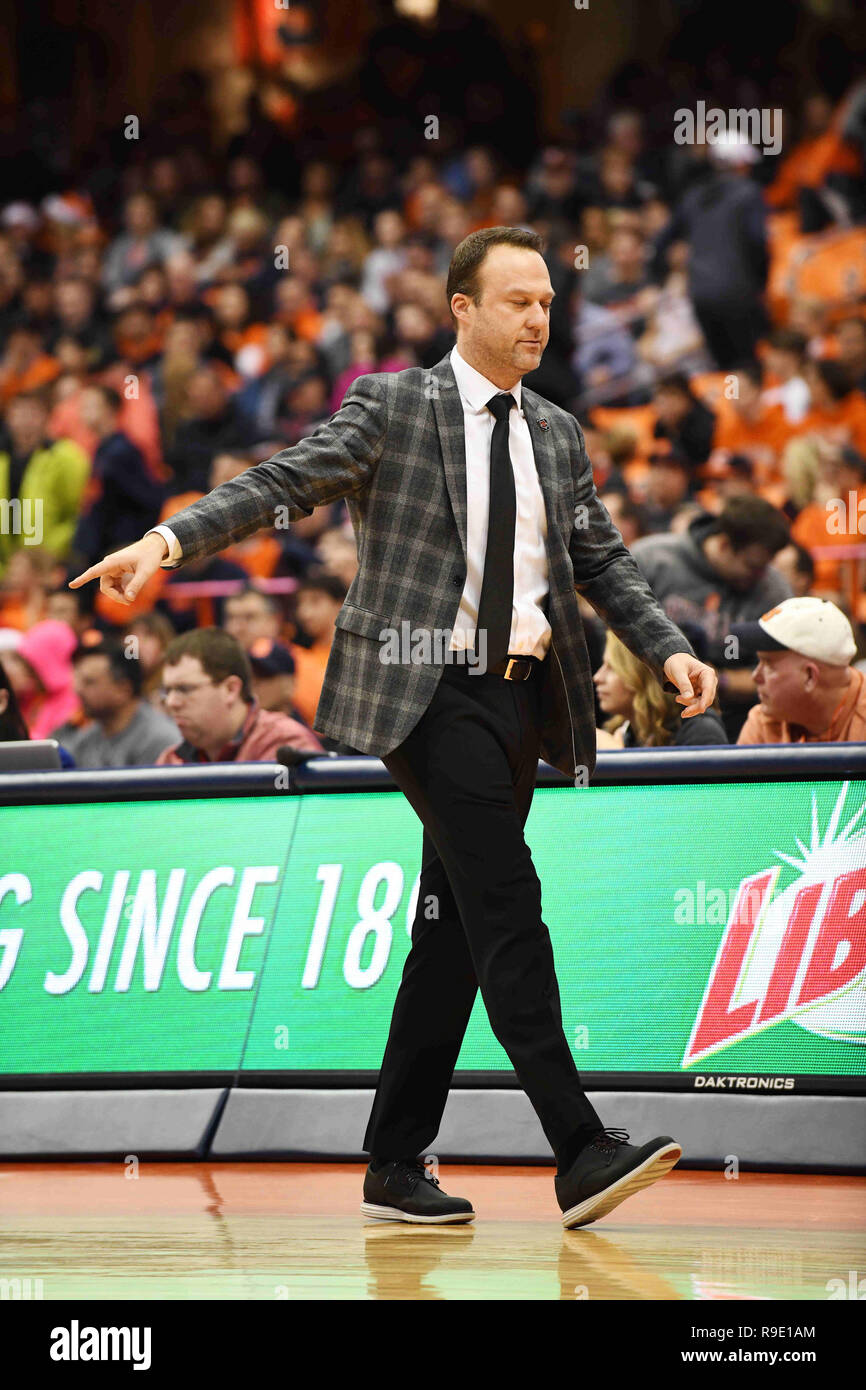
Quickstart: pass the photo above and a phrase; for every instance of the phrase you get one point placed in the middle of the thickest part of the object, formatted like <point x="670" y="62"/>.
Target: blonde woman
<point x="642" y="714"/>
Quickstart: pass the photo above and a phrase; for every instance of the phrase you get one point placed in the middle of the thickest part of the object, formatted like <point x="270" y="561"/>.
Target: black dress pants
<point x="468" y="769"/>
<point x="731" y="329"/>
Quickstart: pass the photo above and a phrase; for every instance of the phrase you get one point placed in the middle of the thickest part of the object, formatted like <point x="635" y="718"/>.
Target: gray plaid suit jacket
<point x="395" y="450"/>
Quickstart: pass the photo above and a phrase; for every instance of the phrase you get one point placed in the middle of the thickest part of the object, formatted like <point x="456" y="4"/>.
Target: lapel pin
<point x="542" y="423"/>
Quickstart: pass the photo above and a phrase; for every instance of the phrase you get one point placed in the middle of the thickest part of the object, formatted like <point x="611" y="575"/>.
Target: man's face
<point x="308" y="397"/>
<point x="73" y="358"/>
<point x="278" y="343"/>
<point x="782" y="364"/>
<point x="741" y="569"/>
<point x="63" y="607"/>
<point x="671" y="406"/>
<point x="388" y="228"/>
<point x="205" y="395"/>
<point x="625" y="524"/>
<point x="232" y="306"/>
<point x="180" y="275"/>
<point x="133" y="326"/>
<point x="625" y="250"/>
<point x="667" y="484"/>
<point x="94" y="410"/>
<point x="100" y="694"/>
<point x="225" y="467"/>
<point x="22" y="347"/>
<point x="274" y="692"/>
<point x="140" y="219"/>
<point x="507" y="330"/>
<point x="782" y="680"/>
<point x="247" y="619"/>
<point x="26" y="420"/>
<point x="203" y="710"/>
<point x="317" y="612"/>
<point x="848" y="479"/>
<point x="150" y="647"/>
<point x="74" y="301"/>
<point x="786" y="563"/>
<point x="182" y="339"/>
<point x="211" y="215"/>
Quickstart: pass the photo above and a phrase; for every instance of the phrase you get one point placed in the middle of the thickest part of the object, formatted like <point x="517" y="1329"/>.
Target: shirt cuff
<point x="175" y="554"/>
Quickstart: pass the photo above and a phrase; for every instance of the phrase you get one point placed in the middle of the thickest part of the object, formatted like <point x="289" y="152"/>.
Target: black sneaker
<point x="607" y="1170"/>
<point x="403" y="1190"/>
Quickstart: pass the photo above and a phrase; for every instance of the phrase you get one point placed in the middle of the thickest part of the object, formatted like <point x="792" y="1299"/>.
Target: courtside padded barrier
<point x="615" y="767"/>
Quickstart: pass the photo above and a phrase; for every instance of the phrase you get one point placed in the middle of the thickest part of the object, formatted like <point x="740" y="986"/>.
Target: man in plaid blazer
<point x="459" y="658"/>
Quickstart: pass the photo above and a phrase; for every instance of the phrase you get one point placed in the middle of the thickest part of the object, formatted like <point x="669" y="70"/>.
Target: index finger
<point x="93" y="573"/>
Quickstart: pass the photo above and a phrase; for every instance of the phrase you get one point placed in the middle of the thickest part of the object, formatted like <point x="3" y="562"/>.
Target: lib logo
<point x="798" y="955"/>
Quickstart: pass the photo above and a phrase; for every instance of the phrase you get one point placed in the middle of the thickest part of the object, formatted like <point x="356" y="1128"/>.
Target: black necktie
<point x="497" y="588"/>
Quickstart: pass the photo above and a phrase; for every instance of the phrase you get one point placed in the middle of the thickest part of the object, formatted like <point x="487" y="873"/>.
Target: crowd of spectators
<point x="708" y="331"/>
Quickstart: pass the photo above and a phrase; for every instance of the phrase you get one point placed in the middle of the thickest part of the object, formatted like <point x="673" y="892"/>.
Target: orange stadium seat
<point x="835" y="271"/>
<point x="828" y="266"/>
<point x="638" y="420"/>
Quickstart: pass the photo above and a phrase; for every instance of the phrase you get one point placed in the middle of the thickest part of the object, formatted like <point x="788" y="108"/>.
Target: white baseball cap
<point x="733" y="147"/>
<point x="813" y="627"/>
<point x="19" y="215"/>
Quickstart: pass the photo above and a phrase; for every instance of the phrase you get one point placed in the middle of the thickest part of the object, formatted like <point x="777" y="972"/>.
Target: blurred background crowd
<point x="184" y="296"/>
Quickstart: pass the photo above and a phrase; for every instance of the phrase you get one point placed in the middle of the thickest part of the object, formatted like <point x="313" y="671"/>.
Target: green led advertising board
<point x="696" y="929"/>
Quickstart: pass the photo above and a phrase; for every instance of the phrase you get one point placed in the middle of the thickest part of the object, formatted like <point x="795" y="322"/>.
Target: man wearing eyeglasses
<point x="207" y="691"/>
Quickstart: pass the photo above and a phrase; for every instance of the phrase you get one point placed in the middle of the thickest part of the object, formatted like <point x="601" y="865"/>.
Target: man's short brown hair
<point x="470" y="254"/>
<point x="219" y="653"/>
<point x="752" y="521"/>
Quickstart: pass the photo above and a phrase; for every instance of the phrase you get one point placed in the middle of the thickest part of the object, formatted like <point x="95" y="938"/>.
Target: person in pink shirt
<point x="138" y="417"/>
<point x="40" y="672"/>
<point x="207" y="691"/>
<point x="364" y="357"/>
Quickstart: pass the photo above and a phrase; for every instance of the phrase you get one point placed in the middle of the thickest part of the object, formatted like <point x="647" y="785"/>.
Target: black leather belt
<point x="515" y="668"/>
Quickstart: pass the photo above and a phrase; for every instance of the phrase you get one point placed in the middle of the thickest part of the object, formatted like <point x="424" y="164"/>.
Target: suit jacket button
<point x="457" y="581"/>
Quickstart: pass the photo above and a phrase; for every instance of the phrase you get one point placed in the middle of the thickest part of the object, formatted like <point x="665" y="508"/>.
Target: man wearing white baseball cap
<point x="807" y="688"/>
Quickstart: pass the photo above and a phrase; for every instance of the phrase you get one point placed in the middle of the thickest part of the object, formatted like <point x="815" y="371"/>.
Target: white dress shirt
<point x="530" y="630"/>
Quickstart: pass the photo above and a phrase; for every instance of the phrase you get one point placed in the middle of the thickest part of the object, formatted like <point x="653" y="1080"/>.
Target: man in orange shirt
<point x="807" y="688"/>
<point x="837" y="413"/>
<point x="749" y="425"/>
<point x="836" y="516"/>
<point x="319" y="599"/>
<point x="25" y="366"/>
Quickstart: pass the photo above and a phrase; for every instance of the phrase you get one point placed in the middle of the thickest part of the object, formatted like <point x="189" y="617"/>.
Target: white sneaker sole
<point x="652" y="1168"/>
<point x="394" y="1214"/>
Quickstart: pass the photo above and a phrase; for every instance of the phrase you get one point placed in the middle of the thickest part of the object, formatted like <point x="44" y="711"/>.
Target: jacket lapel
<point x="544" y="450"/>
<point x="448" y="409"/>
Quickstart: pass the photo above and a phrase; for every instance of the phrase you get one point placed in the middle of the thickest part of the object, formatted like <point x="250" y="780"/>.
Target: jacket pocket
<point x="362" y="622"/>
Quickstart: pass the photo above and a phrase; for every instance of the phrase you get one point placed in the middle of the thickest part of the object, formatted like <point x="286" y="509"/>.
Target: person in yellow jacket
<point x="42" y="482"/>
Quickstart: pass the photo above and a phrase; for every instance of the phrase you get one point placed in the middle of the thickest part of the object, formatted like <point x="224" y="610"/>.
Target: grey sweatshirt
<point x="690" y="590"/>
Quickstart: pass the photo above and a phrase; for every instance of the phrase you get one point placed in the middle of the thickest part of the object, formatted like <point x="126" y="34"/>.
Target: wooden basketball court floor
<point x="293" y="1231"/>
